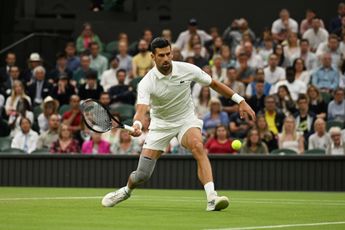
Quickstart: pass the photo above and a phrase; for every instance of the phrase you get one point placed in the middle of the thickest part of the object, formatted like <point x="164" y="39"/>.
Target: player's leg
<point x="192" y="140"/>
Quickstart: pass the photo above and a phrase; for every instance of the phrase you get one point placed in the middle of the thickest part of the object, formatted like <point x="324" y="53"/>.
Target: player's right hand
<point x="137" y="132"/>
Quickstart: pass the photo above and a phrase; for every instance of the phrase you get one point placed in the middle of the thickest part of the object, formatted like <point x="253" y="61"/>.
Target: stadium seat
<point x="134" y="83"/>
<point x="112" y="47"/>
<point x="283" y="151"/>
<point x="5" y="143"/>
<point x="315" y="152"/>
<point x="43" y="151"/>
<point x="4" y="128"/>
<point x="326" y="97"/>
<point x="63" y="109"/>
<point x="330" y="124"/>
<point x="13" y="151"/>
<point x="126" y="111"/>
<point x="37" y="111"/>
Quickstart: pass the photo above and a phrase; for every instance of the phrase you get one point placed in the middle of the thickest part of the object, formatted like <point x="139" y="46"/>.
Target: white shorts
<point x="159" y="139"/>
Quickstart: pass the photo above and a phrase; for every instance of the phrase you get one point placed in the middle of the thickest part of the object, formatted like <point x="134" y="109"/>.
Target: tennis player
<point x="165" y="89"/>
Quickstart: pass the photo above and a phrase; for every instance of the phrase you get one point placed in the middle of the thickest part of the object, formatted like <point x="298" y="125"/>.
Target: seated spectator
<point x="86" y="37"/>
<point x="316" y="104"/>
<point x="309" y="58"/>
<point x="198" y="59"/>
<point x="142" y="62"/>
<point x="49" y="107"/>
<point x="220" y="142"/>
<point x="112" y="136"/>
<point x="72" y="117"/>
<point x="79" y="75"/>
<point x="109" y="79"/>
<point x="34" y="61"/>
<point x="245" y="72"/>
<point x="213" y="46"/>
<point x="336" y="108"/>
<point x="289" y="138"/>
<point x="104" y="99"/>
<point x="189" y="51"/>
<point x="218" y="72"/>
<point x="98" y="61"/>
<point x="335" y="22"/>
<point x="232" y="81"/>
<point x="273" y="116"/>
<point x="201" y="103"/>
<point x="326" y="78"/>
<point x="63" y="91"/>
<point x="26" y="138"/>
<point x="254" y="60"/>
<point x="10" y="60"/>
<point x="7" y="85"/>
<point x="337" y="146"/>
<point x="40" y="88"/>
<point x="266" y="50"/>
<point x="283" y="26"/>
<point x="253" y="144"/>
<point x="121" y="92"/>
<point x="331" y="46"/>
<point x="278" y="50"/>
<point x="257" y="101"/>
<point x="96" y="145"/>
<point x="73" y="61"/>
<point x="16" y="94"/>
<point x="239" y="127"/>
<point x="125" y="60"/>
<point x="23" y="110"/>
<point x="46" y="139"/>
<point x="265" y="134"/>
<point x="60" y="69"/>
<point x="91" y="88"/>
<point x="320" y="139"/>
<point x="215" y="116"/>
<point x="292" y="48"/>
<point x="227" y="60"/>
<point x="284" y="101"/>
<point x="316" y="34"/>
<point x="66" y="143"/>
<point x="307" y="23"/>
<point x="259" y="77"/>
<point x="301" y="72"/>
<point x="273" y="72"/>
<point x="177" y="56"/>
<point x="126" y="145"/>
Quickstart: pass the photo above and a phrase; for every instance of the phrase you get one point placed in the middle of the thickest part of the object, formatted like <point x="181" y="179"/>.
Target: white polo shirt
<point x="273" y="77"/>
<point x="170" y="95"/>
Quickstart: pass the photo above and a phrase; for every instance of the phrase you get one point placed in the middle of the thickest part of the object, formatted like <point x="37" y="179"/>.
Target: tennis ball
<point x="236" y="144"/>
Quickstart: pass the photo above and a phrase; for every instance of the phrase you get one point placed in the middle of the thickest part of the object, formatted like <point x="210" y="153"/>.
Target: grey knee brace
<point x="144" y="170"/>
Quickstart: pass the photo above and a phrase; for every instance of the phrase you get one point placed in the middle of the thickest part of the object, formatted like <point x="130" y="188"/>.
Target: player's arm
<point x="138" y="119"/>
<point x="229" y="93"/>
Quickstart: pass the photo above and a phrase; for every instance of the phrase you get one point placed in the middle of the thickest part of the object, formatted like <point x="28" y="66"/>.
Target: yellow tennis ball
<point x="236" y="144"/>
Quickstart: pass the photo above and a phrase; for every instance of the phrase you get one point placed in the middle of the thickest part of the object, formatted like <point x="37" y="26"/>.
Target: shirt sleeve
<point x="201" y="77"/>
<point x="144" y="91"/>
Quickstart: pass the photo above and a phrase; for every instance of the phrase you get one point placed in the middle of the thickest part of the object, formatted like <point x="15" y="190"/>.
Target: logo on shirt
<point x="181" y="82"/>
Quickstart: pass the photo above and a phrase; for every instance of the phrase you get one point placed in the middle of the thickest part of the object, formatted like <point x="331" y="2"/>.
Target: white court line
<point x="189" y="199"/>
<point x="281" y="226"/>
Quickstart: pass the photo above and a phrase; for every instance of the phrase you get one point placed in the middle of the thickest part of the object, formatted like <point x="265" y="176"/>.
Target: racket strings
<point x="96" y="117"/>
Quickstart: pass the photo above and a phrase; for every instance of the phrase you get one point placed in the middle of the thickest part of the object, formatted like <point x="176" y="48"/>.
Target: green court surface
<point x="80" y="209"/>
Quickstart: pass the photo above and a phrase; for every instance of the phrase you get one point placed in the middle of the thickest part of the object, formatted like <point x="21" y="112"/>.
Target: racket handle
<point x="128" y="128"/>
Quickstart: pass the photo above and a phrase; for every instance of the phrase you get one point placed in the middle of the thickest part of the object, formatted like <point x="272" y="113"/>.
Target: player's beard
<point x="165" y="68"/>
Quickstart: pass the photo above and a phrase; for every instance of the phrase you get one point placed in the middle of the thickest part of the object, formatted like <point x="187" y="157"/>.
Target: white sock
<point x="128" y="190"/>
<point x="209" y="188"/>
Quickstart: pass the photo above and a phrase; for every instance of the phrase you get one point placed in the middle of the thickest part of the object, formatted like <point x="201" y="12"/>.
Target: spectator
<point x="253" y="144"/>
<point x="332" y="47"/>
<point x="16" y="94"/>
<point x="91" y="89"/>
<point x="109" y="78"/>
<point x="273" y="116"/>
<point x="232" y="36"/>
<point x="124" y="59"/>
<point x="26" y="139"/>
<point x="66" y="143"/>
<point x="146" y="36"/>
<point x="142" y="62"/>
<point x="307" y="23"/>
<point x="98" y="61"/>
<point x="227" y="60"/>
<point x="308" y="57"/>
<point x="265" y="134"/>
<point x="49" y="107"/>
<point x="316" y="104"/>
<point x="266" y="50"/>
<point x="80" y="74"/>
<point x="126" y="145"/>
<point x="341" y="30"/>
<point x="232" y="82"/>
<point x="213" y="46"/>
<point x="199" y="60"/>
<point x="177" y="56"/>
<point x="23" y="109"/>
<point x="14" y="74"/>
<point x="220" y="142"/>
<point x="316" y="35"/>
<point x="290" y="138"/>
<point x="218" y="72"/>
<point x="278" y="50"/>
<point x="320" y="139"/>
<point x="336" y="108"/>
<point x="96" y="145"/>
<point x="245" y="72"/>
<point x="34" y="61"/>
<point x="201" y="103"/>
<point x="86" y="37"/>
<point x="104" y="99"/>
<point x="284" y="100"/>
<point x="283" y="26"/>
<point x="73" y="61"/>
<point x="46" y="139"/>
<point x="121" y="92"/>
<point x="60" y="69"/>
<point x="72" y="117"/>
<point x="257" y="101"/>
<point x="292" y="46"/>
<point x="184" y="37"/>
<point x="301" y="73"/>
<point x="254" y="60"/>
<point x="215" y="116"/>
<point x="335" y="23"/>
<point x="273" y="72"/>
<point x="63" y="90"/>
<point x="326" y="78"/>
<point x="40" y="88"/>
<point x="189" y="52"/>
<point x="259" y="76"/>
<point x="337" y="146"/>
<point x="239" y="127"/>
<point x="167" y="34"/>
<point x="113" y="135"/>
<point x="4" y="71"/>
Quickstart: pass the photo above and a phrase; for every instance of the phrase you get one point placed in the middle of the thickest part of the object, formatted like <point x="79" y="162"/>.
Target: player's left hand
<point x="245" y="108"/>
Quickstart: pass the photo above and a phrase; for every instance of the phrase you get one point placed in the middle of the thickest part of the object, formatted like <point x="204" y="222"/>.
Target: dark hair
<point x="304" y="40"/>
<point x="24" y="118"/>
<point x="302" y="97"/>
<point x="231" y="68"/>
<point x="159" y="42"/>
<point x="121" y="70"/>
<point x="221" y="126"/>
<point x="93" y="44"/>
<point x="91" y="74"/>
<point x="250" y="132"/>
<point x="295" y="61"/>
<point x="61" y="55"/>
<point x="290" y="70"/>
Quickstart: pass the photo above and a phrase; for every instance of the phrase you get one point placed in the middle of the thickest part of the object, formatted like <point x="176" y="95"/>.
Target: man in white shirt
<point x="98" y="61"/>
<point x="27" y="138"/>
<point x="331" y="46"/>
<point x="283" y="26"/>
<point x="273" y="72"/>
<point x="108" y="78"/>
<point x="320" y="139"/>
<point x="310" y="60"/>
<point x="166" y="89"/>
<point x="316" y="35"/>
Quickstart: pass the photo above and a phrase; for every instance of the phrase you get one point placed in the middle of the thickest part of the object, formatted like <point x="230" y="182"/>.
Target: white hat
<point x="50" y="99"/>
<point x="35" y="57"/>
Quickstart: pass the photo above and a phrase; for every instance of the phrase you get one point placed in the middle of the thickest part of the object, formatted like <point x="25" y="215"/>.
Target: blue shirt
<point x="210" y="123"/>
<point x="326" y="78"/>
<point x="73" y="63"/>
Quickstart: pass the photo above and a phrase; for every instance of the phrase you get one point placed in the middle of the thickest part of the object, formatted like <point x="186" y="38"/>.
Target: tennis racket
<point x="98" y="118"/>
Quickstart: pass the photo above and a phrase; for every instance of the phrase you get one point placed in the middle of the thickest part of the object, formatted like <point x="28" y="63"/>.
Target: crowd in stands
<point x="292" y="75"/>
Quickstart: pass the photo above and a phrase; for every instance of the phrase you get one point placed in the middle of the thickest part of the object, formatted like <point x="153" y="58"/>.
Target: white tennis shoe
<point x="217" y="203"/>
<point x="113" y="198"/>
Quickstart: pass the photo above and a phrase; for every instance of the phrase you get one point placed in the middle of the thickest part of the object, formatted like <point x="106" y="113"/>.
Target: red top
<point x="77" y="119"/>
<point x="214" y="147"/>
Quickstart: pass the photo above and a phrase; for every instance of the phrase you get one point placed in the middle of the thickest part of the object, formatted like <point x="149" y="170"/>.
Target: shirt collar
<point x="159" y="75"/>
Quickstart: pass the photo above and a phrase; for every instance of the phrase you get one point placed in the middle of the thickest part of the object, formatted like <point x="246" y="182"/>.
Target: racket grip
<point x="128" y="128"/>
